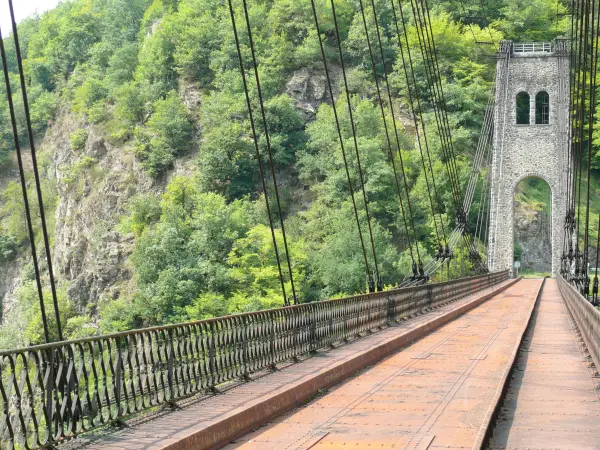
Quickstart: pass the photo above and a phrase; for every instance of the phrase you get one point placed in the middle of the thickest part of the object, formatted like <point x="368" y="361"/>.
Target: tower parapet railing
<point x="533" y="47"/>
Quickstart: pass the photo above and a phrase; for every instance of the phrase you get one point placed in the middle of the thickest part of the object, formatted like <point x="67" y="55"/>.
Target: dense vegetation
<point x="203" y="247"/>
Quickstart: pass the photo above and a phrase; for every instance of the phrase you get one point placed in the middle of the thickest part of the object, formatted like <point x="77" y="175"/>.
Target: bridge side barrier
<point x="586" y="316"/>
<point x="52" y="392"/>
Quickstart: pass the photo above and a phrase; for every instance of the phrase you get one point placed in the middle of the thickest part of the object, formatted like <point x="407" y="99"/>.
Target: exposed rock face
<point x="94" y="186"/>
<point x="533" y="235"/>
<point x="309" y="89"/>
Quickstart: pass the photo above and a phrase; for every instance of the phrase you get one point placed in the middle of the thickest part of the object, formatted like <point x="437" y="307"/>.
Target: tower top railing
<point x="532" y="47"/>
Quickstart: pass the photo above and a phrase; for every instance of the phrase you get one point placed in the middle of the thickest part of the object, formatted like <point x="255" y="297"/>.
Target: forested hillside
<point x="150" y="176"/>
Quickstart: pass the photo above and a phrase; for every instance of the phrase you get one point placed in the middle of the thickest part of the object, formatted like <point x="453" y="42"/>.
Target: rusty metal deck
<point x="552" y="401"/>
<point x="436" y="393"/>
<point x="268" y="394"/>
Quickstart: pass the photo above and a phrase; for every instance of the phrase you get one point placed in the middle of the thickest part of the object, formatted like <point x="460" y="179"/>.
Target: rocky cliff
<point x="533" y="236"/>
<point x="95" y="182"/>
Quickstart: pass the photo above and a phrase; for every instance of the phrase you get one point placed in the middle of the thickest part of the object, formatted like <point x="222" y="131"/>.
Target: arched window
<point x="523" y="108"/>
<point x="542" y="108"/>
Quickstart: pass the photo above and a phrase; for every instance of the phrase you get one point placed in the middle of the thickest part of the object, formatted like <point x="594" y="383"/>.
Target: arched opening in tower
<point x="533" y="226"/>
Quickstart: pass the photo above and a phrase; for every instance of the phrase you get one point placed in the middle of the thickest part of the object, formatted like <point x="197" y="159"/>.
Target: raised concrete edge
<point x="487" y="426"/>
<point x="240" y="421"/>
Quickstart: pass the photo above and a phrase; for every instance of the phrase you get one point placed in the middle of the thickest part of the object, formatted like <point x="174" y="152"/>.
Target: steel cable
<point x="595" y="20"/>
<point x="383" y="116"/>
<point x="357" y="153"/>
<point x="36" y="174"/>
<point x="416" y="112"/>
<point x="30" y="232"/>
<point x="341" y="140"/>
<point x="257" y="151"/>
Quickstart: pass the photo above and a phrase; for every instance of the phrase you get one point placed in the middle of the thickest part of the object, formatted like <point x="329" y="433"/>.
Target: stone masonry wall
<point x="521" y="151"/>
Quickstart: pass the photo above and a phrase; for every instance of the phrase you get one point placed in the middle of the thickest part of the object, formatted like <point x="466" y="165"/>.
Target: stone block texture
<point x="521" y="151"/>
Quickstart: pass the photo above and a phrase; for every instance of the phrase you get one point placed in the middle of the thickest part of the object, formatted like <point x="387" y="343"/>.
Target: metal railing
<point x="586" y="316"/>
<point x="53" y="392"/>
<point x="532" y="47"/>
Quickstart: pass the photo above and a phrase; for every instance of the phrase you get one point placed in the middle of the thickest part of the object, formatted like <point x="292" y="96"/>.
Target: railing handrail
<point x="56" y="391"/>
<point x="368" y="295"/>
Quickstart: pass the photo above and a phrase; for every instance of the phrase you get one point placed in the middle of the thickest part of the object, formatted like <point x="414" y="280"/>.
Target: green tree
<point x="167" y="134"/>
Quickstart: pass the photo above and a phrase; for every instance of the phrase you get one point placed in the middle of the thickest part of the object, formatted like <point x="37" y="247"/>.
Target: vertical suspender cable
<point x="423" y="26"/>
<point x="595" y="286"/>
<point x="385" y="125"/>
<point x="433" y="51"/>
<point x="580" y="136"/>
<point x="592" y="110"/>
<point x="350" y="114"/>
<point x="416" y="112"/>
<point x="268" y="140"/>
<point x="30" y="233"/>
<point x="389" y="95"/>
<point x="451" y="163"/>
<point x="257" y="150"/>
<point x="432" y="86"/>
<point x="341" y="139"/>
<point x="35" y="171"/>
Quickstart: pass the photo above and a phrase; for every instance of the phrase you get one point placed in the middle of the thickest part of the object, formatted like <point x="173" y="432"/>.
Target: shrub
<point x="167" y="134"/>
<point x="78" y="139"/>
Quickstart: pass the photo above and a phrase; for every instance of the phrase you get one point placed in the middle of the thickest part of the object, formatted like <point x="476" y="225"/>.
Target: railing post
<point x="313" y="327"/>
<point x="330" y="311"/>
<point x="245" y="324"/>
<point x="170" y="358"/>
<point x="272" y="316"/>
<point x="212" y="363"/>
<point x="391" y="313"/>
<point x="117" y="380"/>
<point x="69" y="376"/>
<point x="49" y="361"/>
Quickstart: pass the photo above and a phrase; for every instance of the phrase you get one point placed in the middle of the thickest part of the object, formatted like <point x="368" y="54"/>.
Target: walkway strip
<point x="552" y="400"/>
<point x="216" y="421"/>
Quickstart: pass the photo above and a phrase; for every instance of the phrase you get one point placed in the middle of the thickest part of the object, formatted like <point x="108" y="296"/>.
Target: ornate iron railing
<point x="53" y="392"/>
<point x="586" y="316"/>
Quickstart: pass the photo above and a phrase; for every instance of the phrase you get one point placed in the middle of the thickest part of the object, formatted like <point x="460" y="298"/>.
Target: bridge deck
<point x="437" y="393"/>
<point x="210" y="413"/>
<point x="552" y="400"/>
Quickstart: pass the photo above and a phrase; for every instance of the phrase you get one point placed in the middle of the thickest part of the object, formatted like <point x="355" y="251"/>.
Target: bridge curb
<point x="240" y="421"/>
<point x="487" y="426"/>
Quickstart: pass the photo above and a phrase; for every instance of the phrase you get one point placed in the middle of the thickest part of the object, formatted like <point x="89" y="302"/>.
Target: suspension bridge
<point x="483" y="361"/>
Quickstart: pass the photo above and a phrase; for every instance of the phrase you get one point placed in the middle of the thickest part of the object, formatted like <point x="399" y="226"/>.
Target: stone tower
<point x="531" y="138"/>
